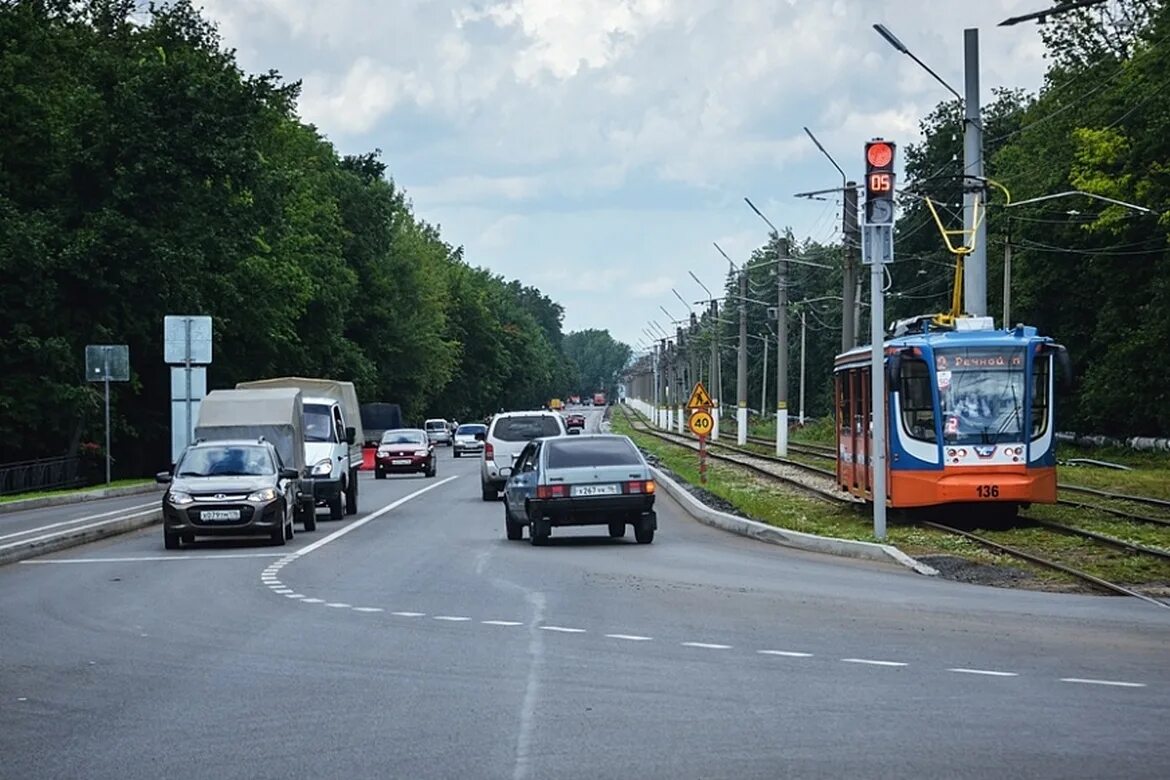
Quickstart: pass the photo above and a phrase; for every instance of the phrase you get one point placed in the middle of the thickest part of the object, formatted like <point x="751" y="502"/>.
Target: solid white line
<point x="631" y="637"/>
<point x="338" y="605"/>
<point x="1116" y="683"/>
<point x="367" y="609"/>
<point x="451" y="618"/>
<point x="409" y="614"/>
<point x="785" y="653"/>
<point x="872" y="662"/>
<point x="705" y="645"/>
<point x="501" y="623"/>
<point x="45" y="537"/>
<point x="143" y="558"/>
<point x="563" y="630"/>
<point x="356" y="524"/>
<point x="39" y="528"/>
<point x="987" y="672"/>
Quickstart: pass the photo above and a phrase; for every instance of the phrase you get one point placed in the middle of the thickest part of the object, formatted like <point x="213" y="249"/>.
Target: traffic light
<point x="879" y="182"/>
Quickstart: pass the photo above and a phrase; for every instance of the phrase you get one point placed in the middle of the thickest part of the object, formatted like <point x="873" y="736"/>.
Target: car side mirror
<point x="350" y="435"/>
<point x="163" y="477"/>
<point x="289" y="474"/>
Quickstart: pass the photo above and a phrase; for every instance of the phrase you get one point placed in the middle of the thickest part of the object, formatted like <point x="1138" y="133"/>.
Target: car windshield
<point x="404" y="437"/>
<point x="318" y="424"/>
<point x="526" y="428"/>
<point x="470" y="430"/>
<point x="226" y="461"/>
<point x="576" y="451"/>
<point x="981" y="392"/>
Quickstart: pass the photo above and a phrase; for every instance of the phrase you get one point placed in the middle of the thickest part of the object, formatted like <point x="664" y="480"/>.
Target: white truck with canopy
<point x="333" y="439"/>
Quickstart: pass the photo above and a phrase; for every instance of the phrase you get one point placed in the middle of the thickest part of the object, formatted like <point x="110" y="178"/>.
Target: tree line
<point x="143" y="173"/>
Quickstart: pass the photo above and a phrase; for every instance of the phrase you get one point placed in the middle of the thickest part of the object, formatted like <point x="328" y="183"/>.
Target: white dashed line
<point x="501" y="623"/>
<point x="872" y="662"/>
<point x="986" y="672"/>
<point x="368" y="609"/>
<point x="1116" y="683"/>
<point x="338" y="605"/>
<point x="409" y="614"/>
<point x="282" y="591"/>
<point x="563" y="629"/>
<point x="294" y="595"/>
<point x="785" y="653"/>
<point x="706" y="645"/>
<point x="631" y="637"/>
<point x="452" y="618"/>
<point x="314" y="601"/>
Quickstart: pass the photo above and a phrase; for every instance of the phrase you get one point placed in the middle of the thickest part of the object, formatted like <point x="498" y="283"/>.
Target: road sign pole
<point x="106" y="382"/>
<point x="703" y="458"/>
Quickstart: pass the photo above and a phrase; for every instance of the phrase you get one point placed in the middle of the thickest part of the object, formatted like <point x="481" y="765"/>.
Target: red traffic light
<point x="879" y="154"/>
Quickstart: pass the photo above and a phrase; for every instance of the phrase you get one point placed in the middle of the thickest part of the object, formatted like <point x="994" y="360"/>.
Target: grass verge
<point x="68" y="491"/>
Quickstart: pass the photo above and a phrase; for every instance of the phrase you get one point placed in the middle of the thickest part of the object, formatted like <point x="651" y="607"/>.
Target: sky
<point x="596" y="148"/>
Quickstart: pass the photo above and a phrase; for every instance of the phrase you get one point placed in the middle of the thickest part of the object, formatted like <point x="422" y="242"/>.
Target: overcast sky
<point x="596" y="148"/>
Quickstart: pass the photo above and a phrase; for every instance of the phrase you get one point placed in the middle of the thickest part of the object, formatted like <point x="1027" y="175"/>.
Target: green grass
<point x="43" y="493"/>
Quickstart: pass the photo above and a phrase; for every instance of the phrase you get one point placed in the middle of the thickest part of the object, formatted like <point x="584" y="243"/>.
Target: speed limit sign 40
<point x="701" y="423"/>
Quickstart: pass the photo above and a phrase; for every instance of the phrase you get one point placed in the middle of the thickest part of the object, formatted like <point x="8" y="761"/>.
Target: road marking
<point x="75" y="529"/>
<point x="356" y="524"/>
<point x="563" y="629"/>
<point x="142" y="558"/>
<point x="1115" y="683"/>
<point x="872" y="662"/>
<point x="367" y="609"/>
<point x="706" y="645"/>
<point x="409" y="614"/>
<point x="631" y="637"/>
<point x="987" y="672"/>
<point x="40" y="528"/>
<point x="785" y="653"/>
<point x="282" y="591"/>
<point x="451" y="618"/>
<point x="294" y="595"/>
<point x="314" y="601"/>
<point x="338" y="605"/>
<point x="501" y="623"/>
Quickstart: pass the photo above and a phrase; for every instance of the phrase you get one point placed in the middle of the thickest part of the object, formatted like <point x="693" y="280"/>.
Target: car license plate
<point x="595" y="490"/>
<point x="400" y="462"/>
<point x="220" y="514"/>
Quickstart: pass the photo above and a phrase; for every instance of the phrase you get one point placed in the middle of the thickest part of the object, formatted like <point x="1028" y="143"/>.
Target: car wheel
<point x="351" y="496"/>
<point x="336" y="510"/>
<point x="490" y="493"/>
<point x="278" y="538"/>
<point x="170" y="541"/>
<point x="538" y="532"/>
<point x="432" y="471"/>
<point x="617" y="530"/>
<point x="455" y="453"/>
<point x="644" y="531"/>
<point x="308" y="516"/>
<point x="289" y="533"/>
<point x="379" y="474"/>
<point x="515" y="530"/>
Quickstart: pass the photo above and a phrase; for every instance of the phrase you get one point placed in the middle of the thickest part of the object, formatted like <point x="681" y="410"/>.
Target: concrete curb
<point x="848" y="548"/>
<point x="72" y="537"/>
<point x="79" y="497"/>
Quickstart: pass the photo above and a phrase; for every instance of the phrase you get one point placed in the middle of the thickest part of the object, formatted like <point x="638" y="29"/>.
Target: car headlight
<point x="421" y="453"/>
<point x="383" y="450"/>
<point x="180" y="498"/>
<point x="267" y="494"/>
<point x="323" y="468"/>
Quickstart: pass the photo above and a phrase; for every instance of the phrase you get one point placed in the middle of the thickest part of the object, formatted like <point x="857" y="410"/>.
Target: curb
<point x="77" y="498"/>
<point x="42" y="545"/>
<point x="872" y="551"/>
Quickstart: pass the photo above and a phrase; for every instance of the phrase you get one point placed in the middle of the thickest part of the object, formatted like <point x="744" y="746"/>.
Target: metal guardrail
<point x="43" y="474"/>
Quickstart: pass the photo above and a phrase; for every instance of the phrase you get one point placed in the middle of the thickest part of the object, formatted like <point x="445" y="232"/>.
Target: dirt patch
<point x="953" y="567"/>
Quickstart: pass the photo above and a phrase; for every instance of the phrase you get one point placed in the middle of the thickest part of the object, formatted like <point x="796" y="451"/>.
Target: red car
<point x="404" y="451"/>
<point x="575" y="421"/>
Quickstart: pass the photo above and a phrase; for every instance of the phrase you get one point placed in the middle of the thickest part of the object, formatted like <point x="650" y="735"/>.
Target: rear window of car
<point x="574" y="452"/>
<point x="471" y="430"/>
<point x="436" y="425"/>
<point x="526" y="428"/>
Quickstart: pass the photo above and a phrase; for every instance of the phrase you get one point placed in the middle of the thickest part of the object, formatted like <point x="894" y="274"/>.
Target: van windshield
<point x="318" y="423"/>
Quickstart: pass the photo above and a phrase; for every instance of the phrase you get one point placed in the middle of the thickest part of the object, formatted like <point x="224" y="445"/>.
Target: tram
<point x="969" y="413"/>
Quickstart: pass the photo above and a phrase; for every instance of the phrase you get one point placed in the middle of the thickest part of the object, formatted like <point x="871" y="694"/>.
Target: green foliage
<point x="143" y="173"/>
<point x="598" y="359"/>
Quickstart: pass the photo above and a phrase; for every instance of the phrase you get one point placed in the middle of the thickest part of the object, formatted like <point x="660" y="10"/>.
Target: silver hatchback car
<point x="507" y="435"/>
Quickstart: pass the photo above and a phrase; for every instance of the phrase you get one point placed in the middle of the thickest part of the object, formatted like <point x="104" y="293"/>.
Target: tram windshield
<point x="981" y="391"/>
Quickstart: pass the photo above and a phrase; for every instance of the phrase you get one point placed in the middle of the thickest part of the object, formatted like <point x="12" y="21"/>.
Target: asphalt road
<point x="415" y="641"/>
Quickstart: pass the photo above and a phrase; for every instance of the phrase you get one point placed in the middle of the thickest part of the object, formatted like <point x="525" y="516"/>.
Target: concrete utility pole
<point x="850" y="294"/>
<point x="782" y="346"/>
<point x="716" y="391"/>
<point x="741" y="387"/>
<point x="975" y="266"/>
<point x="803" y="328"/>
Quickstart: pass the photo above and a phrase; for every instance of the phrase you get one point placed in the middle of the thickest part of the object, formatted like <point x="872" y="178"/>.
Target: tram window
<point x="916" y="400"/>
<point x="1041" y="365"/>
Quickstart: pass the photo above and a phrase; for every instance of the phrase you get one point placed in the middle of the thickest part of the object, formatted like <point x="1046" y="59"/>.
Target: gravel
<point x="953" y="567"/>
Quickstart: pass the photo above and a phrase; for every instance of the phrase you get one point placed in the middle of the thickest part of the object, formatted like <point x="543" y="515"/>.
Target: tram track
<point x="838" y="498"/>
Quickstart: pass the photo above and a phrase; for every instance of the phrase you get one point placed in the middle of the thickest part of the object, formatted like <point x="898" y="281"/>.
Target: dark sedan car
<point x="404" y="451"/>
<point x="228" y="488"/>
<point x="580" y="480"/>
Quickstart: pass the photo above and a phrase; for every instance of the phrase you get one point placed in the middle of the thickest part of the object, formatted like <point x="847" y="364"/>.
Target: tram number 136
<point x="987" y="491"/>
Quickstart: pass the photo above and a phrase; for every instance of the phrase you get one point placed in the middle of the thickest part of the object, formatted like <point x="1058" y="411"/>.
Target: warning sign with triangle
<point x="700" y="399"/>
